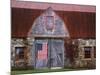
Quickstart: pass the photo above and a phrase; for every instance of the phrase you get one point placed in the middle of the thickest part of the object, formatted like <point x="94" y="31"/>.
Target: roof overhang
<point x="55" y="6"/>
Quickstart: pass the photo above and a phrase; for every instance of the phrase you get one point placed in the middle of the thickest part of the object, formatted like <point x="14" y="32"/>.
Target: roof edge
<point x="55" y="6"/>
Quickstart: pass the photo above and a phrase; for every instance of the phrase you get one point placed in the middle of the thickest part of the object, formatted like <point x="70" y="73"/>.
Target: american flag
<point x="42" y="51"/>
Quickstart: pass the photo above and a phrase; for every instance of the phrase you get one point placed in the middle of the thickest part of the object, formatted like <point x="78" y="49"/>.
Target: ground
<point x="16" y="72"/>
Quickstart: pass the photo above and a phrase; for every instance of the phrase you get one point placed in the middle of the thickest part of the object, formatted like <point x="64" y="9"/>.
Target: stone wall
<point x="16" y="43"/>
<point x="80" y="60"/>
<point x="76" y="58"/>
<point x="28" y="52"/>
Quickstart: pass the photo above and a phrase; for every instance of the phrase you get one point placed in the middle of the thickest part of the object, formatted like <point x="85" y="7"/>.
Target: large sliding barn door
<point x="57" y="53"/>
<point x="49" y="53"/>
<point x="41" y="47"/>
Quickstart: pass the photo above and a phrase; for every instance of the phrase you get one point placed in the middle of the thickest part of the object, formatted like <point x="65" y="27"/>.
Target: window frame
<point x="88" y="57"/>
<point x="49" y="29"/>
<point x="20" y="56"/>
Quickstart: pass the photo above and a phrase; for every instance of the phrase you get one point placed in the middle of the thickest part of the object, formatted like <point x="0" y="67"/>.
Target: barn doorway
<point x="49" y="53"/>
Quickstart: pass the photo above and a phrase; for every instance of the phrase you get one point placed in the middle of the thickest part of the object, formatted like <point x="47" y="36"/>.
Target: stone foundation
<point x="77" y="45"/>
<point x="80" y="60"/>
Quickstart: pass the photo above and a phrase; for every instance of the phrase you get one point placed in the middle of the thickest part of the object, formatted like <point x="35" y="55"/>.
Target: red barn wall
<point x="79" y="24"/>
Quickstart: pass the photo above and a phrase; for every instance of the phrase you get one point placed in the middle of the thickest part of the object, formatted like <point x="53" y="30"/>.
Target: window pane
<point x="49" y="23"/>
<point x="95" y="52"/>
<point x="87" y="51"/>
<point x="20" y="52"/>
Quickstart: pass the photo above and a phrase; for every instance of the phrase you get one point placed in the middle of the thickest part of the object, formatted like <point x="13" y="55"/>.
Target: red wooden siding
<point x="80" y="24"/>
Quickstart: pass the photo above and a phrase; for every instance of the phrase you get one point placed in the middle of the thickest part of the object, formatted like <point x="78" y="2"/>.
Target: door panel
<point x="41" y="53"/>
<point x="57" y="53"/>
<point x="49" y="53"/>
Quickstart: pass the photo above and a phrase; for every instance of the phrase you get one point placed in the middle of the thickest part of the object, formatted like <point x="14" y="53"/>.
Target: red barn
<point x="79" y="45"/>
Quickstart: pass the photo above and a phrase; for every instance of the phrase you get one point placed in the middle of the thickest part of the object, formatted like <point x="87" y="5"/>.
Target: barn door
<point x="57" y="53"/>
<point x="41" y="47"/>
<point x="49" y="53"/>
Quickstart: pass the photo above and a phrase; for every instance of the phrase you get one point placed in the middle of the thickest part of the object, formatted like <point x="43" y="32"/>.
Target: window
<point x="49" y="23"/>
<point x="20" y="52"/>
<point x="94" y="52"/>
<point x="87" y="52"/>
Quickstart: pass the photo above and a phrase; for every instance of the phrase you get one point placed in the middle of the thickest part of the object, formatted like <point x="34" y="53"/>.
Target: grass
<point x="17" y="72"/>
